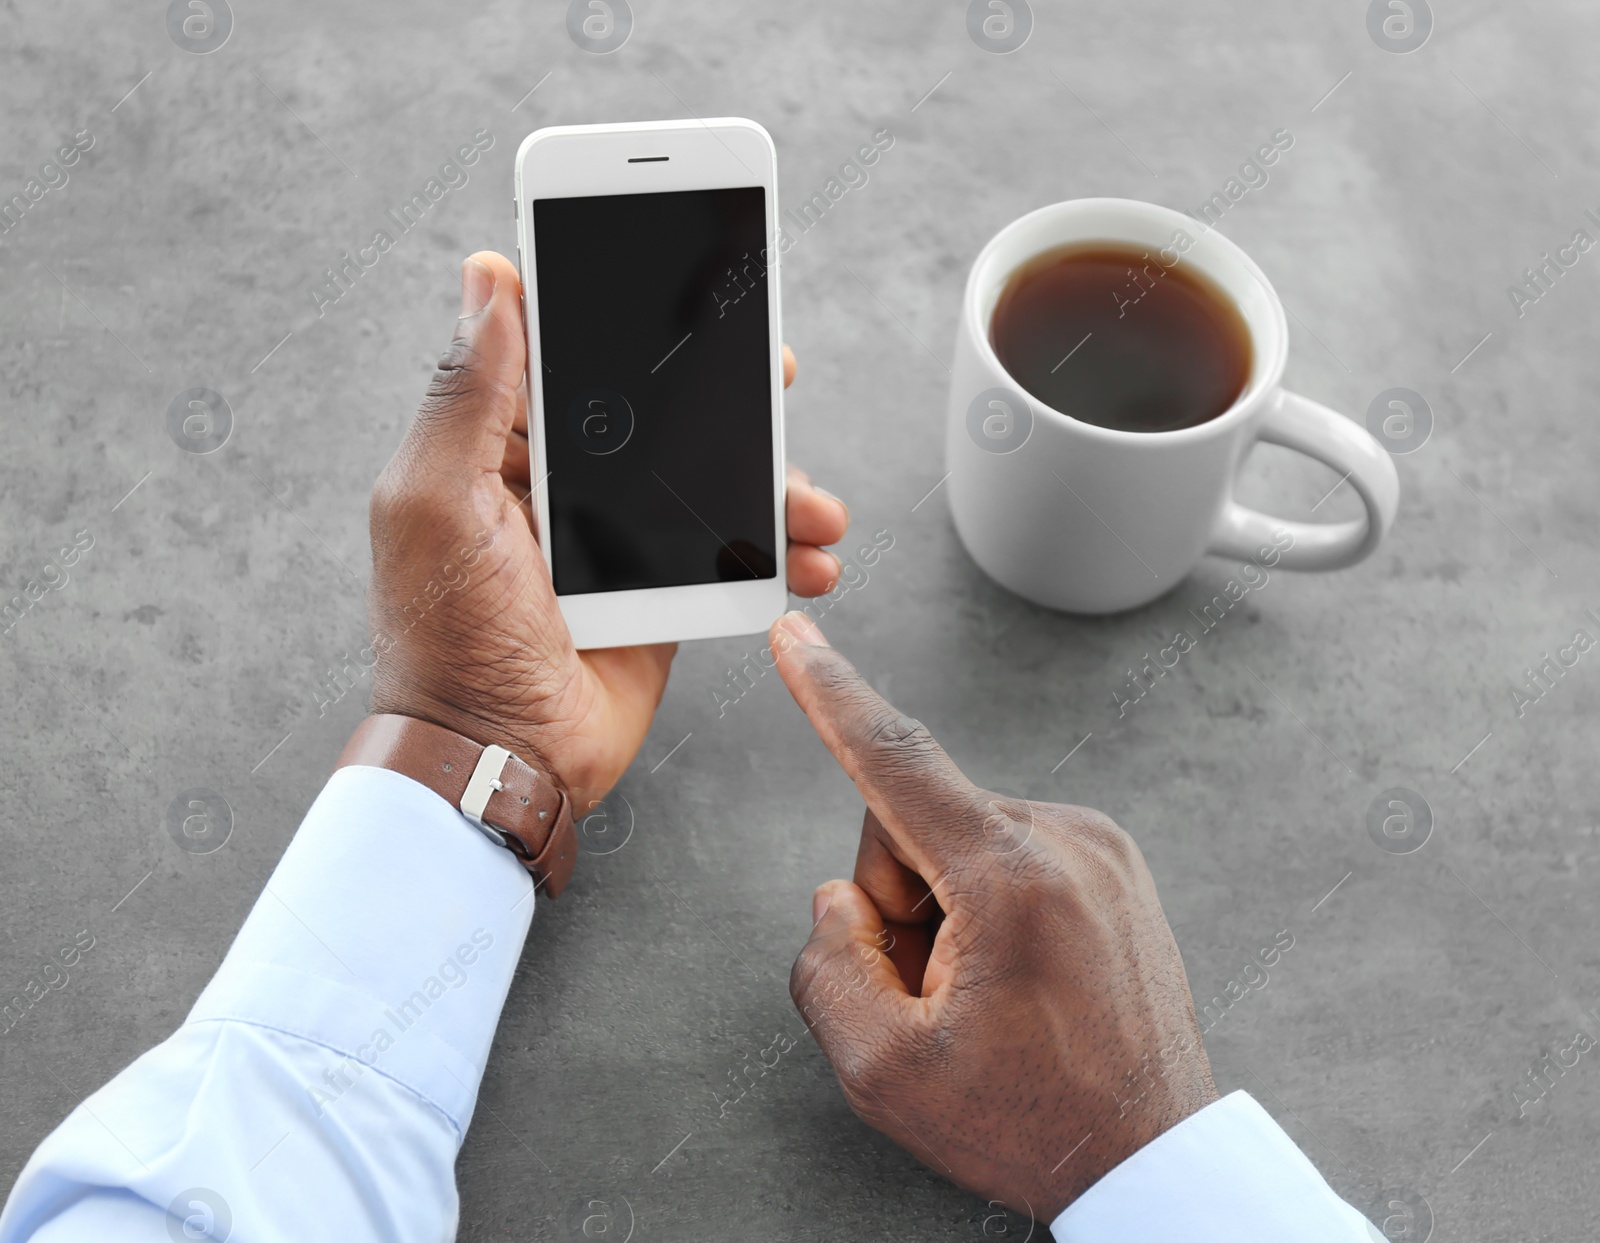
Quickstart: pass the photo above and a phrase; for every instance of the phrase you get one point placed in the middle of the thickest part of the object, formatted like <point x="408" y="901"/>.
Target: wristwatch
<point x="513" y="803"/>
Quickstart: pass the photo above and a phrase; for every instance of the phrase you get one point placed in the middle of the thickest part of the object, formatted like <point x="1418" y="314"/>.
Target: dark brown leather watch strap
<point x="515" y="805"/>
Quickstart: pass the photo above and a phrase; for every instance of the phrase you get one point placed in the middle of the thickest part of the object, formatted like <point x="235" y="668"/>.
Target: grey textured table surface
<point x="1394" y="1041"/>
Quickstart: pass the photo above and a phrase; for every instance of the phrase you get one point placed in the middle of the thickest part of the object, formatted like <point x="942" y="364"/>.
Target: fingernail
<point x="819" y="905"/>
<point x="804" y="629"/>
<point x="477" y="287"/>
<point x="838" y="570"/>
<point x="834" y="499"/>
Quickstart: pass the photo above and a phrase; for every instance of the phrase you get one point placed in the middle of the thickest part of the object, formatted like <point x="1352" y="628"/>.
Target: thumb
<point x="844" y="984"/>
<point x="461" y="428"/>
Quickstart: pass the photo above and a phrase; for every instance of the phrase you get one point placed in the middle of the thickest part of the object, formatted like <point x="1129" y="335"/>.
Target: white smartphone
<point x="649" y="264"/>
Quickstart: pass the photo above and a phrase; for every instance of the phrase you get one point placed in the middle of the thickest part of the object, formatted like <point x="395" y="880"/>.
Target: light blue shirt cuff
<point x="389" y="934"/>
<point x="1221" y="1175"/>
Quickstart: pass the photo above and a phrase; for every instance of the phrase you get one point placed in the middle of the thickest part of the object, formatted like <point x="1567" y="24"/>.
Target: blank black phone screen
<point x="657" y="382"/>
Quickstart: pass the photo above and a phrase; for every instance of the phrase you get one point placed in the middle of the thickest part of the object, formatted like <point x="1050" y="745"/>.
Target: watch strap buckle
<point x="515" y="806"/>
<point x="483" y="785"/>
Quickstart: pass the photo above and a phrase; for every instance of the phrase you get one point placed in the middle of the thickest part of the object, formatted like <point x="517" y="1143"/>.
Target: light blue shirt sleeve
<point x="321" y="1086"/>
<point x="1225" y="1174"/>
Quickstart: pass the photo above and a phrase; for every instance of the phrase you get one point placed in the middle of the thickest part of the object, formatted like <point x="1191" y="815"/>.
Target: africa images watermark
<point x="1139" y="284"/>
<point x="852" y="175"/>
<point x="52" y="176"/>
<point x="1253" y="175"/>
<point x="452" y="974"/>
<point x="52" y="978"/>
<point x="341" y="279"/>
<point x="745" y="1077"/>
<point x="1538" y="282"/>
<point x="1539" y="680"/>
<point x="334" y="684"/>
<point x="1254" y="977"/>
<point x="741" y="678"/>
<point x="1542" y="1076"/>
<point x="52" y="576"/>
<point x="1252" y="576"/>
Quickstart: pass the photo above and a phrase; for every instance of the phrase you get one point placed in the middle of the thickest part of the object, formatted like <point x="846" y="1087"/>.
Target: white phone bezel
<point x="573" y="160"/>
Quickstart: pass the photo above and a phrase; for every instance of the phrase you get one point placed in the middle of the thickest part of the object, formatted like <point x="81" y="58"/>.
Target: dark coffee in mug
<point x="1114" y="335"/>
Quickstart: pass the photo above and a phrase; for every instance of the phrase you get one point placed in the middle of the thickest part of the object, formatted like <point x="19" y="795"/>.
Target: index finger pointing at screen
<point x="915" y="789"/>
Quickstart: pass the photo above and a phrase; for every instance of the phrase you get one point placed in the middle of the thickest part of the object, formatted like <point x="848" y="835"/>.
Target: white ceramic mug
<point x="1092" y="519"/>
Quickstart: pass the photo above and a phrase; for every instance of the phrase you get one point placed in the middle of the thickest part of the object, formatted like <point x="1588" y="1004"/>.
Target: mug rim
<point x="1243" y="405"/>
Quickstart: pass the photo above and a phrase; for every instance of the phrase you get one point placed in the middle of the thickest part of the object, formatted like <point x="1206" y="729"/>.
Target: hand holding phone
<point x="466" y="629"/>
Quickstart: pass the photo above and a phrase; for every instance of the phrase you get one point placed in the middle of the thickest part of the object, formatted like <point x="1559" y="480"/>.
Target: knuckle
<point x="894" y="731"/>
<point x="1008" y="827"/>
<point x="408" y="493"/>
<point x="881" y="1061"/>
<point x="1107" y="836"/>
<point x="1020" y="843"/>
<point x="386" y="495"/>
<point x="804" y="977"/>
<point x="1102" y="841"/>
<point x="887" y="736"/>
<point x="1036" y="877"/>
<point x="824" y="981"/>
<point x="464" y="374"/>
<point x="865" y="1063"/>
<point x="832" y="991"/>
<point x="446" y="392"/>
<point x="457" y="367"/>
<point x="899" y="744"/>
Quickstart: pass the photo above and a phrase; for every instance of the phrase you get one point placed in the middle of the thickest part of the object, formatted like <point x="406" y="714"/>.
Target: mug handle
<point x="1298" y="423"/>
